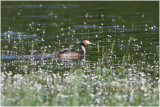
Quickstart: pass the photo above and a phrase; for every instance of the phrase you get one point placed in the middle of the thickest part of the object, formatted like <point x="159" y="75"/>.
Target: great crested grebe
<point x="72" y="54"/>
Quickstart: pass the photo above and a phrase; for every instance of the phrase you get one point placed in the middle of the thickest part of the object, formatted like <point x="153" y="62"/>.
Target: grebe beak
<point x="92" y="43"/>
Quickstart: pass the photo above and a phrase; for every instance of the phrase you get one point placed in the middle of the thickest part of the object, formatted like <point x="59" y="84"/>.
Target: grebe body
<point x="72" y="54"/>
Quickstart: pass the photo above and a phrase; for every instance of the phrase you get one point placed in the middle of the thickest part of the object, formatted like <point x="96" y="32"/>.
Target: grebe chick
<point x="66" y="49"/>
<point x="72" y="54"/>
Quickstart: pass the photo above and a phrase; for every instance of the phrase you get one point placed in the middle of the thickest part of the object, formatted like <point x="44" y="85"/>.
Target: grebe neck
<point x="83" y="50"/>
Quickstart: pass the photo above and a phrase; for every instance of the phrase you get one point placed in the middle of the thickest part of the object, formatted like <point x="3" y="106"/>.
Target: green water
<point x="125" y="55"/>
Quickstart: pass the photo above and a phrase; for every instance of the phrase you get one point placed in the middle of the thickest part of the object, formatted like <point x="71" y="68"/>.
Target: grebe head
<point x="86" y="42"/>
<point x="70" y="46"/>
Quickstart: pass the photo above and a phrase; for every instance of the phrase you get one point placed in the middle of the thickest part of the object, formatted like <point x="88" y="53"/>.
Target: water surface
<point x="125" y="33"/>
